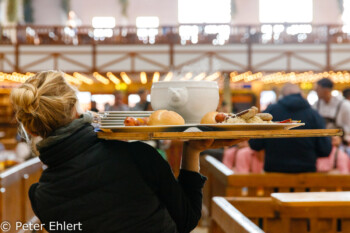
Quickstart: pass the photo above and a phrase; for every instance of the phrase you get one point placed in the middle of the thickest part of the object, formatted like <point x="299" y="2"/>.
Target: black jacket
<point x="114" y="186"/>
<point x="293" y="154"/>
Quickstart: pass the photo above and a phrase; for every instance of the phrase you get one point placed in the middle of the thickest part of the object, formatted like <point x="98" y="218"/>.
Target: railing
<point x="14" y="186"/>
<point x="185" y="34"/>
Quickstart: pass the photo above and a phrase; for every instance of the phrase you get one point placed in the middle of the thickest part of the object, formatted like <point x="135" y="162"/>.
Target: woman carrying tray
<point x="103" y="186"/>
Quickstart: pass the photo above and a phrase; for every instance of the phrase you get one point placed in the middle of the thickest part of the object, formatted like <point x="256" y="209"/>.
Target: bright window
<point x="103" y="22"/>
<point x="346" y="16"/>
<point x="147" y="28"/>
<point x="103" y="100"/>
<point x="133" y="99"/>
<point x="285" y="11"/>
<point x="103" y="26"/>
<point x="267" y="98"/>
<point x="312" y="97"/>
<point x="201" y="12"/>
<point x="84" y="100"/>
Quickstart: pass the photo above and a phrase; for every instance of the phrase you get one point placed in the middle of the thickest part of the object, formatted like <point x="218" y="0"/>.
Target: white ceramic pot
<point x="191" y="99"/>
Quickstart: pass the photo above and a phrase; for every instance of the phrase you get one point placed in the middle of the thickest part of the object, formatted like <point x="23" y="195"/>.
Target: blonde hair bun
<point x="25" y="98"/>
<point x="44" y="103"/>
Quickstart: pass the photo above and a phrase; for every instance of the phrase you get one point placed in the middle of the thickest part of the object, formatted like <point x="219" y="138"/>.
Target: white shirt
<point x="329" y="110"/>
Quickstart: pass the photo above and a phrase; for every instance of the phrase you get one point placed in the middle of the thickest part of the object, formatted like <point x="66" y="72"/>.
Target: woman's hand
<point x="201" y="145"/>
<point x="192" y="148"/>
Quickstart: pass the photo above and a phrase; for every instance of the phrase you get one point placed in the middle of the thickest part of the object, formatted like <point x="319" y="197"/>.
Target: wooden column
<point x="17" y="57"/>
<point x="328" y="51"/>
<point x="249" y="51"/>
<point x="132" y="59"/>
<point x="93" y="57"/>
<point x="171" y="56"/>
<point x="227" y="92"/>
<point x="1" y="61"/>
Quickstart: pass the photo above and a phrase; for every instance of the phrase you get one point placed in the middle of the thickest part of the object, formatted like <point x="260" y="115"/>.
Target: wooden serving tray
<point x="221" y="134"/>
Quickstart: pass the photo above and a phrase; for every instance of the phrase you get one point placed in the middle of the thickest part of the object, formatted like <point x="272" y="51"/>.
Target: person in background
<point x="93" y="106"/>
<point x="119" y="105"/>
<point x="346" y="93"/>
<point x="335" y="111"/>
<point x="293" y="155"/>
<point x="336" y="162"/>
<point x="73" y="20"/>
<point x="241" y="159"/>
<point x="103" y="185"/>
<point x="143" y="104"/>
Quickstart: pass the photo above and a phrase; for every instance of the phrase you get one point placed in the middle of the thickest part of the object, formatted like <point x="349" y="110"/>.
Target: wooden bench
<point x="15" y="205"/>
<point x="244" y="214"/>
<point x="227" y="218"/>
<point x="223" y="182"/>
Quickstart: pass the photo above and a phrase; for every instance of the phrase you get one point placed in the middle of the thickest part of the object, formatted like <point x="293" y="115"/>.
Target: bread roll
<point x="265" y="116"/>
<point x="209" y="118"/>
<point x="165" y="117"/>
<point x="249" y="113"/>
<point x="255" y="119"/>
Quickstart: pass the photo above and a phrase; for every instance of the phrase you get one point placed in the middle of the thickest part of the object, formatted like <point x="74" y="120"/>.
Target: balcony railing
<point x="184" y="34"/>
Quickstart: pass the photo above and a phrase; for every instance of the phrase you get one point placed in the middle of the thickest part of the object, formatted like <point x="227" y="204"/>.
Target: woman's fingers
<point x="200" y="144"/>
<point x="205" y="144"/>
<point x="219" y="143"/>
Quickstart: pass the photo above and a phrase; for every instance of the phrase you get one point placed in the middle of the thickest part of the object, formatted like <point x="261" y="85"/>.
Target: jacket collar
<point x="79" y="138"/>
<point x="62" y="133"/>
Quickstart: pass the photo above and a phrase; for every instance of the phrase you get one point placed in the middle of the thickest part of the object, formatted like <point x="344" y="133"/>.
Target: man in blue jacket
<point x="293" y="155"/>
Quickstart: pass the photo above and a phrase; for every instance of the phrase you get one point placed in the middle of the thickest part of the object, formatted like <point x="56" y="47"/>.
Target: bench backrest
<point x="226" y="218"/>
<point x="14" y="186"/>
<point x="271" y="218"/>
<point x="223" y="182"/>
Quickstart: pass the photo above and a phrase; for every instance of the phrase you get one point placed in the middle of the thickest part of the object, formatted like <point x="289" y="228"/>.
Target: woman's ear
<point x="77" y="115"/>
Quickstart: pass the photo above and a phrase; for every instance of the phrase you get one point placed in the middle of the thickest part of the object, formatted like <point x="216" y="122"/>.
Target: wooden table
<point x="323" y="210"/>
<point x="312" y="199"/>
<point x="220" y="134"/>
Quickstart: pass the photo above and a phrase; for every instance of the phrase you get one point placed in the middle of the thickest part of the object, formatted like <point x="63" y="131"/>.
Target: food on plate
<point x="250" y="115"/>
<point x="132" y="121"/>
<point x="289" y="121"/>
<point x="265" y="116"/>
<point x="255" y="119"/>
<point x="210" y="118"/>
<point x="216" y="117"/>
<point x="160" y="117"/>
<point x="236" y="120"/>
<point x="165" y="117"/>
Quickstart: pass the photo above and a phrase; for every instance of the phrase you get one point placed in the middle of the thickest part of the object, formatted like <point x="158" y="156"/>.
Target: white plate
<point x="128" y="112"/>
<point x="156" y="128"/>
<point x="112" y="121"/>
<point x="125" y="115"/>
<point x="202" y="127"/>
<point x="249" y="126"/>
<point x="113" y="118"/>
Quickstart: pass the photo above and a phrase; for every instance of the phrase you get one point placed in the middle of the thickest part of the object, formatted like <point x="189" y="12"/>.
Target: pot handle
<point x="177" y="97"/>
